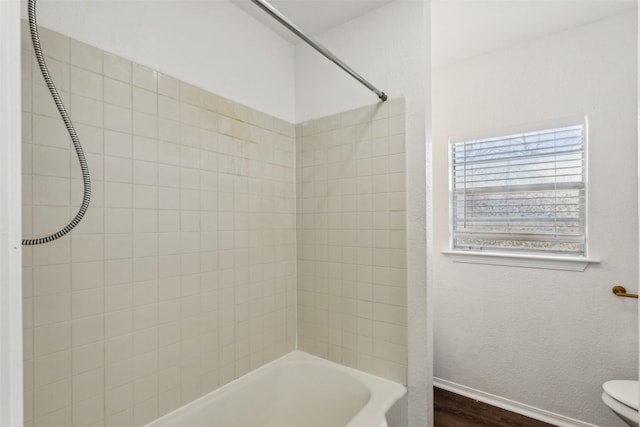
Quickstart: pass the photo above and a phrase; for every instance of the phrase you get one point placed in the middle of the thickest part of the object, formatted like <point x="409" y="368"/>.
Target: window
<point x="520" y="193"/>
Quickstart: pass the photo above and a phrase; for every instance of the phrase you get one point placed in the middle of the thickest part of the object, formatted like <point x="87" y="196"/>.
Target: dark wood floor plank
<point x="454" y="410"/>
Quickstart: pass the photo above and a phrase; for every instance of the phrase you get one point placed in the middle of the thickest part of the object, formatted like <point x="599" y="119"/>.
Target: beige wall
<point x="182" y="275"/>
<point x="352" y="253"/>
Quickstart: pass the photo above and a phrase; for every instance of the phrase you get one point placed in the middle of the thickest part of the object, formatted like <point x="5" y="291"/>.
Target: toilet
<point x="621" y="396"/>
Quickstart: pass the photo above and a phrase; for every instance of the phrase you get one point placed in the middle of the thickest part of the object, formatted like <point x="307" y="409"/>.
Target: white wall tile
<point x="51" y="279"/>
<point x="352" y="196"/>
<point x="168" y="86"/>
<point x="121" y="419"/>
<point x="49" y="131"/>
<point x="145" y="149"/>
<point x="51" y="191"/>
<point x="117" y="93"/>
<point x="119" y="399"/>
<point x="87" y="330"/>
<point x="86" y="110"/>
<point x="118" y="195"/>
<point x="52" y="397"/>
<point x="145" y="101"/>
<point x="87" y="248"/>
<point x="87" y="358"/>
<point x="117" y="169"/>
<point x="51" y="368"/>
<point x="145" y="125"/>
<point x="119" y="119"/>
<point x="135" y="287"/>
<point x="49" y="309"/>
<point x="145" y="77"/>
<point x="86" y="83"/>
<point x="117" y="144"/>
<point x="145" y="221"/>
<point x="119" y="349"/>
<point x="145" y="197"/>
<point x="51" y="161"/>
<point x="59" y="71"/>
<point x="55" y="44"/>
<point x="42" y="104"/>
<point x="51" y="338"/>
<point x="145" y="268"/>
<point x="117" y="68"/>
<point x="88" y="412"/>
<point x="86" y="56"/>
<point x="119" y="373"/>
<point x="118" y="220"/>
<point x="87" y="303"/>
<point x="118" y="271"/>
<point x="88" y="384"/>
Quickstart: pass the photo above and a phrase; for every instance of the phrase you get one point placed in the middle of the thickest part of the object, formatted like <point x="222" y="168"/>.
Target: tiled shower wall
<point x="182" y="276"/>
<point x="351" y="198"/>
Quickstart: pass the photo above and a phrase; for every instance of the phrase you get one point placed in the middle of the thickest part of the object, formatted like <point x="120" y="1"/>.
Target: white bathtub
<point x="297" y="390"/>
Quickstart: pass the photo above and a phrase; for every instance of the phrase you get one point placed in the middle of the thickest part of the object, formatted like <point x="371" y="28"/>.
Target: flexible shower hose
<point x="35" y="39"/>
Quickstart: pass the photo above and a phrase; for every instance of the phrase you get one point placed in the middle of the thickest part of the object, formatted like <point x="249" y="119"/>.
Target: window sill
<point x="548" y="262"/>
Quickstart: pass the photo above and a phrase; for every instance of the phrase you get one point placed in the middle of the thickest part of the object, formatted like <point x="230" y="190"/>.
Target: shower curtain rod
<point x="264" y="5"/>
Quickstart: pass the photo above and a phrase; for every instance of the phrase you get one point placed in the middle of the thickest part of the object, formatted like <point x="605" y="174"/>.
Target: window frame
<point x="533" y="259"/>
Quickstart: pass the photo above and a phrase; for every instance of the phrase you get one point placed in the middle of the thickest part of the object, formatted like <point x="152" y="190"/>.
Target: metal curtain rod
<point x="316" y="45"/>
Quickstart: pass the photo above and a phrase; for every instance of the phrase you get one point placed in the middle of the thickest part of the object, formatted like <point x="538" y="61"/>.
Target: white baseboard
<point x="510" y="405"/>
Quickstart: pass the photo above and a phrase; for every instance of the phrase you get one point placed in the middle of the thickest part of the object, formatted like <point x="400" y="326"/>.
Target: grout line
<point x="104" y="251"/>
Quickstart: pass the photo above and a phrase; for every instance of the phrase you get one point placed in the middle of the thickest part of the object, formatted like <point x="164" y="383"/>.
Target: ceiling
<point x="460" y="28"/>
<point x="311" y="16"/>
<point x="467" y="28"/>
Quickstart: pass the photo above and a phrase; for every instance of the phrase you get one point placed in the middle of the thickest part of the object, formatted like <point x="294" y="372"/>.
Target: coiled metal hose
<point x="35" y="39"/>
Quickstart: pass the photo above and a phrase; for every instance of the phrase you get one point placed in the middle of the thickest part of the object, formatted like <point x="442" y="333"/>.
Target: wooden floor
<point x="453" y="410"/>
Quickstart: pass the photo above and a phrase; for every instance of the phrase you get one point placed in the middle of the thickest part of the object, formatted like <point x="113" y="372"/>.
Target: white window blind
<point x="522" y="192"/>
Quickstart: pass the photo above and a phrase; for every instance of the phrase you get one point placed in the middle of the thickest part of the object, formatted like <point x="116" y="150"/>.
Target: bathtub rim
<point x="384" y="393"/>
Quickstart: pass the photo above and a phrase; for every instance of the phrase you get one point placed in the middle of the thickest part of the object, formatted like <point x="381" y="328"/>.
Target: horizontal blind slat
<point x="518" y="167"/>
<point x="517" y="144"/>
<point x="575" y="129"/>
<point x="539" y="237"/>
<point x="518" y="188"/>
<point x="478" y="160"/>
<point x="564" y="177"/>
